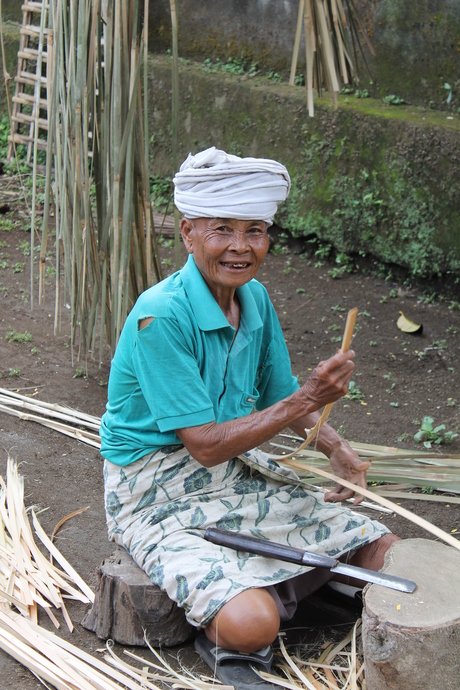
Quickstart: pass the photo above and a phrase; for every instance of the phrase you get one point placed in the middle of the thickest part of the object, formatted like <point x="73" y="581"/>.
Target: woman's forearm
<point x="211" y="444"/>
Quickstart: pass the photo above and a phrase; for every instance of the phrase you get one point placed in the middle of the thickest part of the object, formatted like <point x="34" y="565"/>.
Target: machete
<point x="282" y="552"/>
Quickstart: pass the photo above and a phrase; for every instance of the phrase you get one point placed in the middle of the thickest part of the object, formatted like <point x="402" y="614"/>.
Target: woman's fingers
<point x="330" y="379"/>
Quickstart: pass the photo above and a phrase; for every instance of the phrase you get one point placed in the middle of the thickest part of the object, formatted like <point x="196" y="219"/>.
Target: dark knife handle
<point x="242" y="542"/>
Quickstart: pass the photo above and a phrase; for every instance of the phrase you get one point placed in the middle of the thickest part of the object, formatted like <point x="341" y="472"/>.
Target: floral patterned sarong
<point x="159" y="507"/>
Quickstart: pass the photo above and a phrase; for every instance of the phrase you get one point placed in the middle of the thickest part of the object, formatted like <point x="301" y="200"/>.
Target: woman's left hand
<point x="346" y="464"/>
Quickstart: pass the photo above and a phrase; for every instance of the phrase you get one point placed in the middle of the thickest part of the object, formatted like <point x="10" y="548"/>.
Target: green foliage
<point x="232" y="66"/>
<point x="15" y="337"/>
<point x="161" y="192"/>
<point x="79" y="374"/>
<point x="354" y="392"/>
<point x="393" y="100"/>
<point x="429" y="434"/>
<point x="24" y="247"/>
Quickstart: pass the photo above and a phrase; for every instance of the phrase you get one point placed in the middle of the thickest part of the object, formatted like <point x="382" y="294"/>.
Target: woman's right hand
<point x="330" y="380"/>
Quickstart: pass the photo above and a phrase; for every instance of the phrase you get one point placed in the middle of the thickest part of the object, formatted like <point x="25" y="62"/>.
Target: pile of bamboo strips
<point x="81" y="426"/>
<point x="399" y="466"/>
<point x="27" y="578"/>
<point x="402" y="467"/>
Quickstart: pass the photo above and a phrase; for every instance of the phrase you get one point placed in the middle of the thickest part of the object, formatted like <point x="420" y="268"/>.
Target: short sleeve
<point x="165" y="362"/>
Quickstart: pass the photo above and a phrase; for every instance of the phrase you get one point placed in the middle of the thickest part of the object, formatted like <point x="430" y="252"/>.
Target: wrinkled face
<point x="227" y="252"/>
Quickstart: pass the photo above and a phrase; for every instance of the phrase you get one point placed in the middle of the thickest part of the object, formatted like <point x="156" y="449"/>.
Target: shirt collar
<point x="207" y="312"/>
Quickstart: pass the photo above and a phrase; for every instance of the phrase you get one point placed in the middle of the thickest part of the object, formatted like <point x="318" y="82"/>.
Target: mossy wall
<point x="368" y="177"/>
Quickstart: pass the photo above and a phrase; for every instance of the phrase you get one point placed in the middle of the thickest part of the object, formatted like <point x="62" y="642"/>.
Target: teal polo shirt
<point x="188" y="368"/>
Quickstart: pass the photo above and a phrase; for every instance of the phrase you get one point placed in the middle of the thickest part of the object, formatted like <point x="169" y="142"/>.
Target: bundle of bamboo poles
<point x="105" y="244"/>
<point x="331" y="44"/>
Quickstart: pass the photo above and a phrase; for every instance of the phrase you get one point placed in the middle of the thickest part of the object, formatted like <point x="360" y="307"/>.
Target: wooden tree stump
<point x="412" y="641"/>
<point x="127" y="603"/>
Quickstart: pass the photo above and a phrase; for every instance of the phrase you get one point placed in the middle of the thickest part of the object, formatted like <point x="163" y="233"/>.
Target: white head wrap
<point x="215" y="184"/>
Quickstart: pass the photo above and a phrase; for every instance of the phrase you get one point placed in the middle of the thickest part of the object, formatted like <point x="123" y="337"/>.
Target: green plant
<point x="361" y="93"/>
<point x="14" y="336"/>
<point x="14" y="372"/>
<point x="402" y="438"/>
<point x="354" y="393"/>
<point x="79" y="374"/>
<point x="35" y="351"/>
<point x="275" y="76"/>
<point x="372" y="343"/>
<point x="4" y="264"/>
<point x="336" y="339"/>
<point x="451" y="402"/>
<point x="24" y="247"/>
<point x="337" y="308"/>
<point x="429" y="434"/>
<point x="393" y="100"/>
<point x="279" y="249"/>
<point x="50" y="272"/>
<point x="18" y="267"/>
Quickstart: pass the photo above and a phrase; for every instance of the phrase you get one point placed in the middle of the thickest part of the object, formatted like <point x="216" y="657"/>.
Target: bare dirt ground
<point x="401" y="379"/>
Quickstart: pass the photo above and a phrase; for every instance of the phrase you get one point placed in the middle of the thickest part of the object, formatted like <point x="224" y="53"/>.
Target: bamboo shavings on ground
<point x="336" y="668"/>
<point x="27" y="578"/>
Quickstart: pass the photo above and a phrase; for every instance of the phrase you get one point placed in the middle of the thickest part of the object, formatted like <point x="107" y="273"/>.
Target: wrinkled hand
<point x="346" y="464"/>
<point x="330" y="380"/>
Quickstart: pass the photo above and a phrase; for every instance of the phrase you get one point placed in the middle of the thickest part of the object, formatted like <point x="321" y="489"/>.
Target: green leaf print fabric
<point x="159" y="507"/>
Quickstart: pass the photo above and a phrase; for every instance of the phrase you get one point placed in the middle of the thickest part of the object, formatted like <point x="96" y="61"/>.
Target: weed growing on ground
<point x="429" y="434"/>
<point x="354" y="392"/>
<point x="79" y="374"/>
<point x="15" y="337"/>
<point x="13" y="372"/>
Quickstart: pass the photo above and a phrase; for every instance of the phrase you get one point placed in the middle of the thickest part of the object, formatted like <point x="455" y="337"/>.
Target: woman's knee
<point x="247" y="623"/>
<point x="372" y="555"/>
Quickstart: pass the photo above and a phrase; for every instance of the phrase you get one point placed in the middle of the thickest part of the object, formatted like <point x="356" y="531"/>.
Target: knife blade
<point x="283" y="552"/>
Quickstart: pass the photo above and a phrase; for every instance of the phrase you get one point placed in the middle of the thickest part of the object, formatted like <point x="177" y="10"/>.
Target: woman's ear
<point x="186" y="228"/>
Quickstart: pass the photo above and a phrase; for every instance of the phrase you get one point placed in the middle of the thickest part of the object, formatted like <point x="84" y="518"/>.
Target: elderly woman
<point x="201" y="377"/>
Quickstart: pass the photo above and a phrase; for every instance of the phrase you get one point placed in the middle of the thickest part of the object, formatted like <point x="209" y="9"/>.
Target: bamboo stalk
<point x="295" y="51"/>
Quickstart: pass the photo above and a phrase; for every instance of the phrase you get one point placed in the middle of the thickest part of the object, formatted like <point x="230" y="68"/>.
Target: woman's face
<point x="227" y="252"/>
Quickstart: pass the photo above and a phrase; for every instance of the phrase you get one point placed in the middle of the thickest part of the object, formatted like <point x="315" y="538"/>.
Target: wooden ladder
<point x="31" y="85"/>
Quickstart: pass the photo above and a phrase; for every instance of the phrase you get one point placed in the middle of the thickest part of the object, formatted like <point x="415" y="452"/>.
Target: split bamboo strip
<point x="347" y="335"/>
<point x="424" y="524"/>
